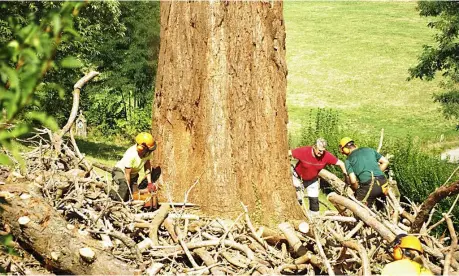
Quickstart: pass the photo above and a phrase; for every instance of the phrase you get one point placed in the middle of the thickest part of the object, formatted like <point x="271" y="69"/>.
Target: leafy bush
<point x="419" y="173"/>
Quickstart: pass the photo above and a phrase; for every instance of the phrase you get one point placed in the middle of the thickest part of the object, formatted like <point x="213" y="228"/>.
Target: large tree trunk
<point x="220" y="108"/>
<point x="47" y="235"/>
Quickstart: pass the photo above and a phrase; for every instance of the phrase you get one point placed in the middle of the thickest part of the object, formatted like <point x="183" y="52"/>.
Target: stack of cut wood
<point x="62" y="214"/>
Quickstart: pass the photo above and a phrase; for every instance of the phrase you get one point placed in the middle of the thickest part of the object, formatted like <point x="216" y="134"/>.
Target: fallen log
<point x="436" y="196"/>
<point x="363" y="214"/>
<point x="337" y="184"/>
<point x="47" y="235"/>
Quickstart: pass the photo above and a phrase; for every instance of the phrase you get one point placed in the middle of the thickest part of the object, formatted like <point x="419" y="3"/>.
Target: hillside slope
<point x="354" y="57"/>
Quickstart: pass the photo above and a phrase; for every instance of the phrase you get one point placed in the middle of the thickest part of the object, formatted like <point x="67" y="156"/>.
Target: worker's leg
<point x="119" y="179"/>
<point x="375" y="193"/>
<point x="361" y="193"/>
<point x="298" y="184"/>
<point x="312" y="191"/>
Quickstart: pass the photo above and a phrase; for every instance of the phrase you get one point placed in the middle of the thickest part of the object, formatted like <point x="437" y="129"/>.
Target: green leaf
<point x="12" y="76"/>
<point x="58" y="87"/>
<point x="45" y="119"/>
<point x="5" y="160"/>
<point x="71" y="62"/>
<point x="56" y="24"/>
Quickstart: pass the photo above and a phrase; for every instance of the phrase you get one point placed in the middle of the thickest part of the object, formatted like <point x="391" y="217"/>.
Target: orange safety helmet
<point x="145" y="139"/>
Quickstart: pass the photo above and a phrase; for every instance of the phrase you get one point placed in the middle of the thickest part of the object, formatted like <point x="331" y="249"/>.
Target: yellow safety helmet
<point x="411" y="242"/>
<point x="145" y="139"/>
<point x="343" y="142"/>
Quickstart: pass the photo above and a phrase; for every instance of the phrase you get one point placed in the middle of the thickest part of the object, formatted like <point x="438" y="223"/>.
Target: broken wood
<point x="363" y="214"/>
<point x="49" y="233"/>
<point x="435" y="197"/>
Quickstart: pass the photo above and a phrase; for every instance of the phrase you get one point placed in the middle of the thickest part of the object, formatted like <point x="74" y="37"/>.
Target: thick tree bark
<point x="47" y="235"/>
<point x="220" y="108"/>
<point x="435" y="197"/>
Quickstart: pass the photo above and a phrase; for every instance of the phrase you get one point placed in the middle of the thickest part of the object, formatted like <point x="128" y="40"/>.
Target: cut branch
<point x="436" y="196"/>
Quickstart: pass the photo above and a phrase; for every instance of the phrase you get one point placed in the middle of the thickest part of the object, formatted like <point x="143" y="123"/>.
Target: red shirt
<point x="309" y="166"/>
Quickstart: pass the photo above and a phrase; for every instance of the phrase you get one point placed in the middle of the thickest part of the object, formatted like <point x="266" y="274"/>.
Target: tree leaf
<point x="45" y="119"/>
<point x="5" y="160"/>
<point x="71" y="62"/>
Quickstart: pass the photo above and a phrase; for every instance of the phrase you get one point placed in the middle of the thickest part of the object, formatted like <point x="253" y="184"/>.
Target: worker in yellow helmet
<point x="126" y="171"/>
<point x="406" y="251"/>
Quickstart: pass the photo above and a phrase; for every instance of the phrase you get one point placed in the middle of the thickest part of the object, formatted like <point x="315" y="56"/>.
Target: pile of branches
<point x="61" y="217"/>
<point x="177" y="239"/>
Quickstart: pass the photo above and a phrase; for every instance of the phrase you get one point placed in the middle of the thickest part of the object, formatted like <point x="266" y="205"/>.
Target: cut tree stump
<point x="48" y="236"/>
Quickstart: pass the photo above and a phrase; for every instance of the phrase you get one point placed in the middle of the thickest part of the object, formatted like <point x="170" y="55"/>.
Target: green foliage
<point x="441" y="57"/>
<point x="119" y="39"/>
<point x="450" y="103"/>
<point x="419" y="173"/>
<point x="121" y="101"/>
<point x="27" y="53"/>
<point x="24" y="62"/>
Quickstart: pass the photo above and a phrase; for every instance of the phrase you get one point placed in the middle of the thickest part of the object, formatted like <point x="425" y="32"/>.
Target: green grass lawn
<point x="354" y="57"/>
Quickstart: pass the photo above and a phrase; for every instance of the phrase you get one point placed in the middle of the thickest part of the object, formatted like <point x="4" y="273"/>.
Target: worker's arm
<point x="353" y="181"/>
<point x="342" y="166"/>
<point x="383" y="163"/>
<point x="147" y="167"/>
<point x="127" y="175"/>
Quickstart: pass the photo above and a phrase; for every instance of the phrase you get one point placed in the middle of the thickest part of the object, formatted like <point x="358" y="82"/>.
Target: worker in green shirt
<point x="365" y="168"/>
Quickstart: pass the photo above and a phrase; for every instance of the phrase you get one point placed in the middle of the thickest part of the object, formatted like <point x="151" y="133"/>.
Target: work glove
<point x="151" y="187"/>
<point x="385" y="188"/>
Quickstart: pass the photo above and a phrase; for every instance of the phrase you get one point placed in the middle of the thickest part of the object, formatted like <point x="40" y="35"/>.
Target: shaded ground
<point x="101" y="150"/>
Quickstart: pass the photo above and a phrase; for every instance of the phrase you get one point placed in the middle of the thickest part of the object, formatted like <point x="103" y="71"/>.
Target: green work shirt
<point x="362" y="162"/>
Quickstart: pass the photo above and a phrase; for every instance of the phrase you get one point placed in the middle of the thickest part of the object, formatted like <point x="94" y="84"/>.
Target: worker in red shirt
<point x="312" y="159"/>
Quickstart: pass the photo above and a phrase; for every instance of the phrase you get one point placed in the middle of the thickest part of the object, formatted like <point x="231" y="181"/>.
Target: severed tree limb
<point x="234" y="261"/>
<point x="354" y="230"/>
<point x="252" y="229"/>
<point x="366" y="270"/>
<point x="185" y="248"/>
<point x="272" y="237"/>
<point x="208" y="260"/>
<point x="102" y="167"/>
<point x="381" y="138"/>
<point x="154" y="269"/>
<point x="453" y="246"/>
<point x="337" y="184"/>
<point x="47" y="235"/>
<point x="157" y="221"/>
<point x="436" y="196"/>
<point x="169" y="225"/>
<point x="363" y="214"/>
<point x="297" y="267"/>
<point x="57" y="139"/>
<point x="292" y="238"/>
